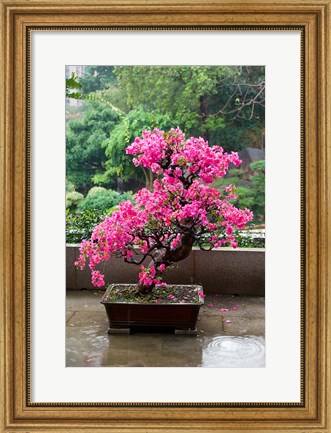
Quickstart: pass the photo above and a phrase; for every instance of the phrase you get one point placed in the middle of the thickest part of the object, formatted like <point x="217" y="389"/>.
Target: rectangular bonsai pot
<point x="149" y="316"/>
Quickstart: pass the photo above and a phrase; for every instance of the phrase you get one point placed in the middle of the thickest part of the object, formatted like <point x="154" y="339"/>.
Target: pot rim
<point x="201" y="299"/>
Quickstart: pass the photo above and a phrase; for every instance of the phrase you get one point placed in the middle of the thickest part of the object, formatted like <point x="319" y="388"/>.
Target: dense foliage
<point x="84" y="213"/>
<point x="85" y="156"/>
<point x="80" y="225"/>
<point x="205" y="101"/>
<point x="97" y="78"/>
<point x="250" y="192"/>
<point x="103" y="199"/>
<point x="119" y="163"/>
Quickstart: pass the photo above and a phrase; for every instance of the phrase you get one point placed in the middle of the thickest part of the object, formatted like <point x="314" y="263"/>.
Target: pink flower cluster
<point x="151" y="149"/>
<point x="182" y="201"/>
<point x="155" y="150"/>
<point x="147" y="276"/>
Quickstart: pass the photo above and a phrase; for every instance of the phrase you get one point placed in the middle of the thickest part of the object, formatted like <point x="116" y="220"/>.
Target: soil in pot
<point x="170" y="294"/>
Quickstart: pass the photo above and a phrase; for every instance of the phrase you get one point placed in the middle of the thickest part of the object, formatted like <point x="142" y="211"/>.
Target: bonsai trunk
<point x="166" y="257"/>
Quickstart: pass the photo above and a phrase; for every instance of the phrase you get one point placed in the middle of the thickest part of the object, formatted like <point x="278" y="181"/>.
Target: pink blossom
<point x="175" y="242"/>
<point x="182" y="200"/>
<point x="97" y="279"/>
<point x="229" y="188"/>
<point x="229" y="230"/>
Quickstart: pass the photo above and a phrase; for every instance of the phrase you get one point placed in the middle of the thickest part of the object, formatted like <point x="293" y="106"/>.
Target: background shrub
<point x="81" y="224"/>
<point x="102" y="199"/>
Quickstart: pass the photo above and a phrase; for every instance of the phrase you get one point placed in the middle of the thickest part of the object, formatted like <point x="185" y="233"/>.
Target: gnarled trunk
<point x="163" y="256"/>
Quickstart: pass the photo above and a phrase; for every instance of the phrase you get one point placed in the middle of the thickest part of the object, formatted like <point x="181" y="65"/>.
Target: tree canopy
<point x="222" y="104"/>
<point x="204" y="100"/>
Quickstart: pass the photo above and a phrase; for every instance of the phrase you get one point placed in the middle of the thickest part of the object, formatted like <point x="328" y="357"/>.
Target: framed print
<point x="278" y="376"/>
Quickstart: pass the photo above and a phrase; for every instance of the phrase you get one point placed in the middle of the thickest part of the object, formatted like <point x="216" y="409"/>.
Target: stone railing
<point x="223" y="270"/>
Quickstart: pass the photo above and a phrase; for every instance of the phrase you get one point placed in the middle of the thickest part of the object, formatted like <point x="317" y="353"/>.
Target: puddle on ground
<point x="234" y="352"/>
<point x="165" y="351"/>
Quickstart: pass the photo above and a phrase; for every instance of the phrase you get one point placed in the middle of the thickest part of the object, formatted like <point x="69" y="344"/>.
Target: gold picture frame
<point x="313" y="413"/>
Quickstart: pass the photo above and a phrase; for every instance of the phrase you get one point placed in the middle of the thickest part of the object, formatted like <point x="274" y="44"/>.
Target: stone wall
<point x="224" y="270"/>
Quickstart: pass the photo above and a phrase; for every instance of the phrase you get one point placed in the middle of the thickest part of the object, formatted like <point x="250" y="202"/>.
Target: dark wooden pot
<point x="124" y="317"/>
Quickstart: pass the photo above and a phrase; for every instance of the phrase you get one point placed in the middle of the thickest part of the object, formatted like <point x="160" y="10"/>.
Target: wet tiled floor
<point x="233" y="338"/>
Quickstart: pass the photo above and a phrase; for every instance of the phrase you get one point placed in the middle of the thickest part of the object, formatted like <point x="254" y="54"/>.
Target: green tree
<point x="97" y="78"/>
<point x="178" y="91"/>
<point x="241" y="106"/>
<point x="205" y="100"/>
<point x="119" y="164"/>
<point x="84" y="138"/>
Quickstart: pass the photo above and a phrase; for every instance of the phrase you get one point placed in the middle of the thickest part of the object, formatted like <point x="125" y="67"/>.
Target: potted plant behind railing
<point x="162" y="226"/>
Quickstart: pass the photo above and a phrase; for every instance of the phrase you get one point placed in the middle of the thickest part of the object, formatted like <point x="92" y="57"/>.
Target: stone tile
<point x="86" y="300"/>
<point x="244" y="326"/>
<point x="159" y="350"/>
<point x="137" y="342"/>
<point x="69" y="315"/>
<point x="175" y="358"/>
<point x="248" y="306"/>
<point x="85" y="348"/>
<point x="210" y="324"/>
<point x="88" y="320"/>
<point x="124" y="358"/>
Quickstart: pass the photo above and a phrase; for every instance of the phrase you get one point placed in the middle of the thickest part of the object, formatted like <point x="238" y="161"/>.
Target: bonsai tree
<point x="182" y="210"/>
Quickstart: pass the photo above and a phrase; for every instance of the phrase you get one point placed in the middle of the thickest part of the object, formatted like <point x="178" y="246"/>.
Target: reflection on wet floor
<point x="235" y="340"/>
<point x="174" y="351"/>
